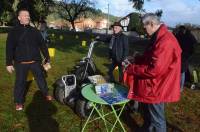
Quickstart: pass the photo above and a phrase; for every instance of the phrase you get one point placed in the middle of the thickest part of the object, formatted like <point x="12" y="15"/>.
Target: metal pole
<point x="107" y="20"/>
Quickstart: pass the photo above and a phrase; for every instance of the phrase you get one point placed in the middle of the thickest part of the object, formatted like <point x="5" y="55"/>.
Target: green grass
<point x="40" y="116"/>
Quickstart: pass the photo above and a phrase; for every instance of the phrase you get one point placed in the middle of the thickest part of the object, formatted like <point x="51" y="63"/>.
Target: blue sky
<point x="174" y="11"/>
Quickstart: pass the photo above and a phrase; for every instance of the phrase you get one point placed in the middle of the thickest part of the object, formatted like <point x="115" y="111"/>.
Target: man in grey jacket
<point x="118" y="50"/>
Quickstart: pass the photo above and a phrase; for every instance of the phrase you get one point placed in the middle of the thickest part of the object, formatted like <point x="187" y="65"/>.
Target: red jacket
<point x="156" y="78"/>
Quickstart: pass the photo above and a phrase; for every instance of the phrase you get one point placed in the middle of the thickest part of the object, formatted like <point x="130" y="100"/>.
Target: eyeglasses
<point x="146" y="23"/>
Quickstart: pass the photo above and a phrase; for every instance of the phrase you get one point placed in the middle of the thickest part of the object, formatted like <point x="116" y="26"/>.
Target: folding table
<point x="88" y="92"/>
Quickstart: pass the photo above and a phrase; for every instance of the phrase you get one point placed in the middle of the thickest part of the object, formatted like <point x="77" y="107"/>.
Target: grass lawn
<point x="40" y="116"/>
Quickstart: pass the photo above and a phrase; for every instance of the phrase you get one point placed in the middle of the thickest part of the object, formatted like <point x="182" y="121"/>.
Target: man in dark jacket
<point x="118" y="50"/>
<point x="24" y="44"/>
<point x="186" y="41"/>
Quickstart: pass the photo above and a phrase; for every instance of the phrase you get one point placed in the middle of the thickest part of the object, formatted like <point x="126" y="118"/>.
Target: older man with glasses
<point x="156" y="74"/>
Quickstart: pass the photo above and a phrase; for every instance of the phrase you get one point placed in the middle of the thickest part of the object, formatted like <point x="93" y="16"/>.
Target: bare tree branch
<point x="71" y="9"/>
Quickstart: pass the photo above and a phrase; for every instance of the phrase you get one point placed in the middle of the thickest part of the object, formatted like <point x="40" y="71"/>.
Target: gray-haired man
<point x="156" y="74"/>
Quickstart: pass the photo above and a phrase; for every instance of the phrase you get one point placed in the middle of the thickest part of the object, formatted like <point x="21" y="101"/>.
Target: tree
<point x="6" y="12"/>
<point x="135" y="18"/>
<point x="70" y="10"/>
<point x="2" y="4"/>
<point x="135" y="23"/>
<point x="138" y="5"/>
<point x="39" y="9"/>
<point x="159" y="13"/>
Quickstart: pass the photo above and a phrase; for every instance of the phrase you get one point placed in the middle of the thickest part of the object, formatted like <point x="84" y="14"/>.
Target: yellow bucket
<point x="30" y="76"/>
<point x="51" y="52"/>
<point x="76" y="36"/>
<point x="195" y="77"/>
<point x="83" y="43"/>
<point x="61" y="37"/>
<point x="116" y="73"/>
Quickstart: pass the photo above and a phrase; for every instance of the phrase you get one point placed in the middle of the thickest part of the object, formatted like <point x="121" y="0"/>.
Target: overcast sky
<point x="174" y="11"/>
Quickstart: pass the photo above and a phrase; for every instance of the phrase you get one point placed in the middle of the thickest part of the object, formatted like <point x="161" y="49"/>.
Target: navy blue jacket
<point x="25" y="43"/>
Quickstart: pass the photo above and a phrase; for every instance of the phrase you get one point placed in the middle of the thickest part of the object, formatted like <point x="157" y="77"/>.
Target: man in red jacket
<point x="156" y="74"/>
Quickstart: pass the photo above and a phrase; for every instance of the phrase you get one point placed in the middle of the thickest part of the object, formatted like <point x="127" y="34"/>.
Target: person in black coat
<point x="23" y="47"/>
<point x="118" y="50"/>
<point x="186" y="41"/>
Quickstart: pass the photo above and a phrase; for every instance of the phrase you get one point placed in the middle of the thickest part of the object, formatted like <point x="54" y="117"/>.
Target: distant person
<point x="23" y="47"/>
<point x="156" y="74"/>
<point x="43" y="31"/>
<point x="186" y="41"/>
<point x="118" y="50"/>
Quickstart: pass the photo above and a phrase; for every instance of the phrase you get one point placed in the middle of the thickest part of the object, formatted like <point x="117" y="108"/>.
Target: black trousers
<point x="21" y="76"/>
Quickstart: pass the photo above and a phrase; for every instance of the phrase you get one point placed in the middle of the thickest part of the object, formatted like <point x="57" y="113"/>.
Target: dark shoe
<point x="19" y="107"/>
<point x="140" y="129"/>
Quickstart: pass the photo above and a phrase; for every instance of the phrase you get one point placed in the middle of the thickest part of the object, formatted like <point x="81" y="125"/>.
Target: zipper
<point x="27" y="45"/>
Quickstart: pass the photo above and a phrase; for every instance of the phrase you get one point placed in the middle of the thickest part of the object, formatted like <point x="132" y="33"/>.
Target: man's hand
<point x="125" y="63"/>
<point x="47" y="66"/>
<point x="10" y="69"/>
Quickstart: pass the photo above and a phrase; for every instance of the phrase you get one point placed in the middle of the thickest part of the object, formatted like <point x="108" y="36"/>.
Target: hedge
<point x="5" y="29"/>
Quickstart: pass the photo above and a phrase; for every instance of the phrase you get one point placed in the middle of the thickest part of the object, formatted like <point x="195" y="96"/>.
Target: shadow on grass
<point x="134" y="127"/>
<point x="129" y="121"/>
<point x="173" y="128"/>
<point x="39" y="113"/>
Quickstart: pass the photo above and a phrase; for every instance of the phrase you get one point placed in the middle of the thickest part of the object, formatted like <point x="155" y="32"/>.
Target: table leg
<point x="102" y="116"/>
<point x="99" y="113"/>
<point x="94" y="105"/>
<point x="117" y="117"/>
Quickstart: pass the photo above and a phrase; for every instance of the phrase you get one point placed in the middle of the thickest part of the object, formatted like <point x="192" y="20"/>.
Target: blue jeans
<point x="182" y="80"/>
<point x="154" y="117"/>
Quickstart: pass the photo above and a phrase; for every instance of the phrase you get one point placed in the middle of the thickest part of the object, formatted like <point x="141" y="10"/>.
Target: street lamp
<point x="107" y="20"/>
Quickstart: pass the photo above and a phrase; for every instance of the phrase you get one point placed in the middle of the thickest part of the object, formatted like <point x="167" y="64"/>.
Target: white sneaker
<point x="19" y="107"/>
<point x="193" y="86"/>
